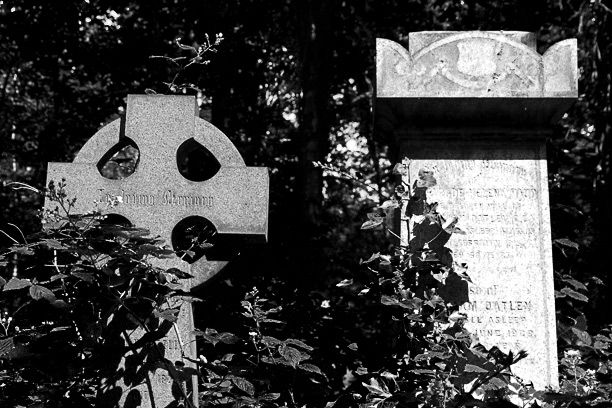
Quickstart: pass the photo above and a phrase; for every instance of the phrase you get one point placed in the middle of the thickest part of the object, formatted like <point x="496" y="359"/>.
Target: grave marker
<point x="157" y="197"/>
<point x="476" y="107"/>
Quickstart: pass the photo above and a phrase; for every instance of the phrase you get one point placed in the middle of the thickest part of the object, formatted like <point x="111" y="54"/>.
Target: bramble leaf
<point x="16" y="284"/>
<point x="574" y="295"/>
<point x="244" y="385"/>
<point x="38" y="292"/>
<point x="170" y="315"/>
<point x="372" y="223"/>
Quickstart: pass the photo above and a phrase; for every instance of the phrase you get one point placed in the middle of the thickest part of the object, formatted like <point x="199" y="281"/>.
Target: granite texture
<point x="475" y="64"/>
<point x="476" y="107"/>
<point x="499" y="191"/>
<point x="156" y="197"/>
<point x="495" y="78"/>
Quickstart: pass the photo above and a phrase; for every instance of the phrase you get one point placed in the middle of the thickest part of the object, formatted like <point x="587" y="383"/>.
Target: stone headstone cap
<point x="422" y="39"/>
<point x="477" y="75"/>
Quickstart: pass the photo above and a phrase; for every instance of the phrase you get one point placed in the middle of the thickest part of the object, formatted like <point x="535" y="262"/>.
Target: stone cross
<point x="157" y="197"/>
<point x="476" y="107"/>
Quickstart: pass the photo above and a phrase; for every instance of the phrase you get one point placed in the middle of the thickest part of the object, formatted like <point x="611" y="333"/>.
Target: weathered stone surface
<point x="475" y="64"/>
<point x="499" y="192"/>
<point x="475" y="107"/>
<point x="156" y="197"/>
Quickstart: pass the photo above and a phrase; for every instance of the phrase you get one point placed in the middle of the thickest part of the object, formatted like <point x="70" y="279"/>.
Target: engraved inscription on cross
<point x="157" y="197"/>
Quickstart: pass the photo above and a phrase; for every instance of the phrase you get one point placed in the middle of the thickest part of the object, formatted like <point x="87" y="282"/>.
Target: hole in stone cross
<point x="193" y="237"/>
<point x="120" y="161"/>
<point x="195" y="162"/>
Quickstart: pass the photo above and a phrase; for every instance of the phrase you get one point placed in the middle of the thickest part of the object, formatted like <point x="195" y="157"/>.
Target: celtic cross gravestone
<point x="157" y="197"/>
<point x="476" y="107"/>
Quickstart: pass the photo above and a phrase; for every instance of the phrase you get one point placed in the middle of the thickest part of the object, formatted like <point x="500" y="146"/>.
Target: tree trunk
<point x="314" y="38"/>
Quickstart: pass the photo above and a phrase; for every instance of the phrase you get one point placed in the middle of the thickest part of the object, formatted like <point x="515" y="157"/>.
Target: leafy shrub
<point x="82" y="281"/>
<point x="432" y="359"/>
<point x="76" y="285"/>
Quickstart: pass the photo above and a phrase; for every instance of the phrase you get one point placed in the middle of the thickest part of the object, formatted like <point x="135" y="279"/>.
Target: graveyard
<point x="308" y="204"/>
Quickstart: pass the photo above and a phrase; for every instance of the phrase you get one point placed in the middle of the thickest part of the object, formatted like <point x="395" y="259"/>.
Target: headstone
<point x="157" y="197"/>
<point x="476" y="107"/>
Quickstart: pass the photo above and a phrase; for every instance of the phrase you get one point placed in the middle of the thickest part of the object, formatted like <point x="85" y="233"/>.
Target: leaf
<point x="566" y="243"/>
<point x="228" y="338"/>
<point x="575" y="295"/>
<point x="52" y="243"/>
<point x="16" y="284"/>
<point x="496" y="383"/>
<point x="576" y="284"/>
<point x="22" y="250"/>
<point x="583" y="336"/>
<point x="244" y="385"/>
<point x="179" y="273"/>
<point x="185" y="46"/>
<point x="391" y="301"/>
<point x="371" y="224"/>
<point x="344" y="282"/>
<point x="38" y="292"/>
<point x="270" y="341"/>
<point x="214" y="337"/>
<point x="293" y="356"/>
<point x="170" y="315"/>
<point x="371" y="258"/>
<point x="470" y="368"/>
<point x="449" y="226"/>
<point x="353" y="346"/>
<point x="60" y="304"/>
<point x="84" y="276"/>
<point x="270" y="396"/>
<point x="389" y="206"/>
<point x="311" y="368"/>
<point x="299" y="343"/>
<point x="2" y="281"/>
<point x="377" y="388"/>
<point x="400" y="168"/>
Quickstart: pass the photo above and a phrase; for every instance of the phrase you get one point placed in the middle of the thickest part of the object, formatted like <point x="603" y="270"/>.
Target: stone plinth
<point x="476" y="107"/>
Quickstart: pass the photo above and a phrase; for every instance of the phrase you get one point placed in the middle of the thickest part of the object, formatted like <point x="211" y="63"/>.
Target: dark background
<point x="292" y="83"/>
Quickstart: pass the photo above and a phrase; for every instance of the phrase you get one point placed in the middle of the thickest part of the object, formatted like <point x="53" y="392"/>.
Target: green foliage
<point x="431" y="359"/>
<point x="255" y="368"/>
<point x="79" y="283"/>
<point x="83" y="281"/>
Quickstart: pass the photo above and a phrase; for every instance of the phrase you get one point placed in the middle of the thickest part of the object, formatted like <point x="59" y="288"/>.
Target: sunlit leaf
<point x="566" y="243"/>
<point x="244" y="385"/>
<point x="16" y="284"/>
<point x="298" y="343"/>
<point x="470" y="368"/>
<point x="344" y="282"/>
<point x="574" y="295"/>
<point x="311" y="368"/>
<point x="38" y="292"/>
<point x="371" y="224"/>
